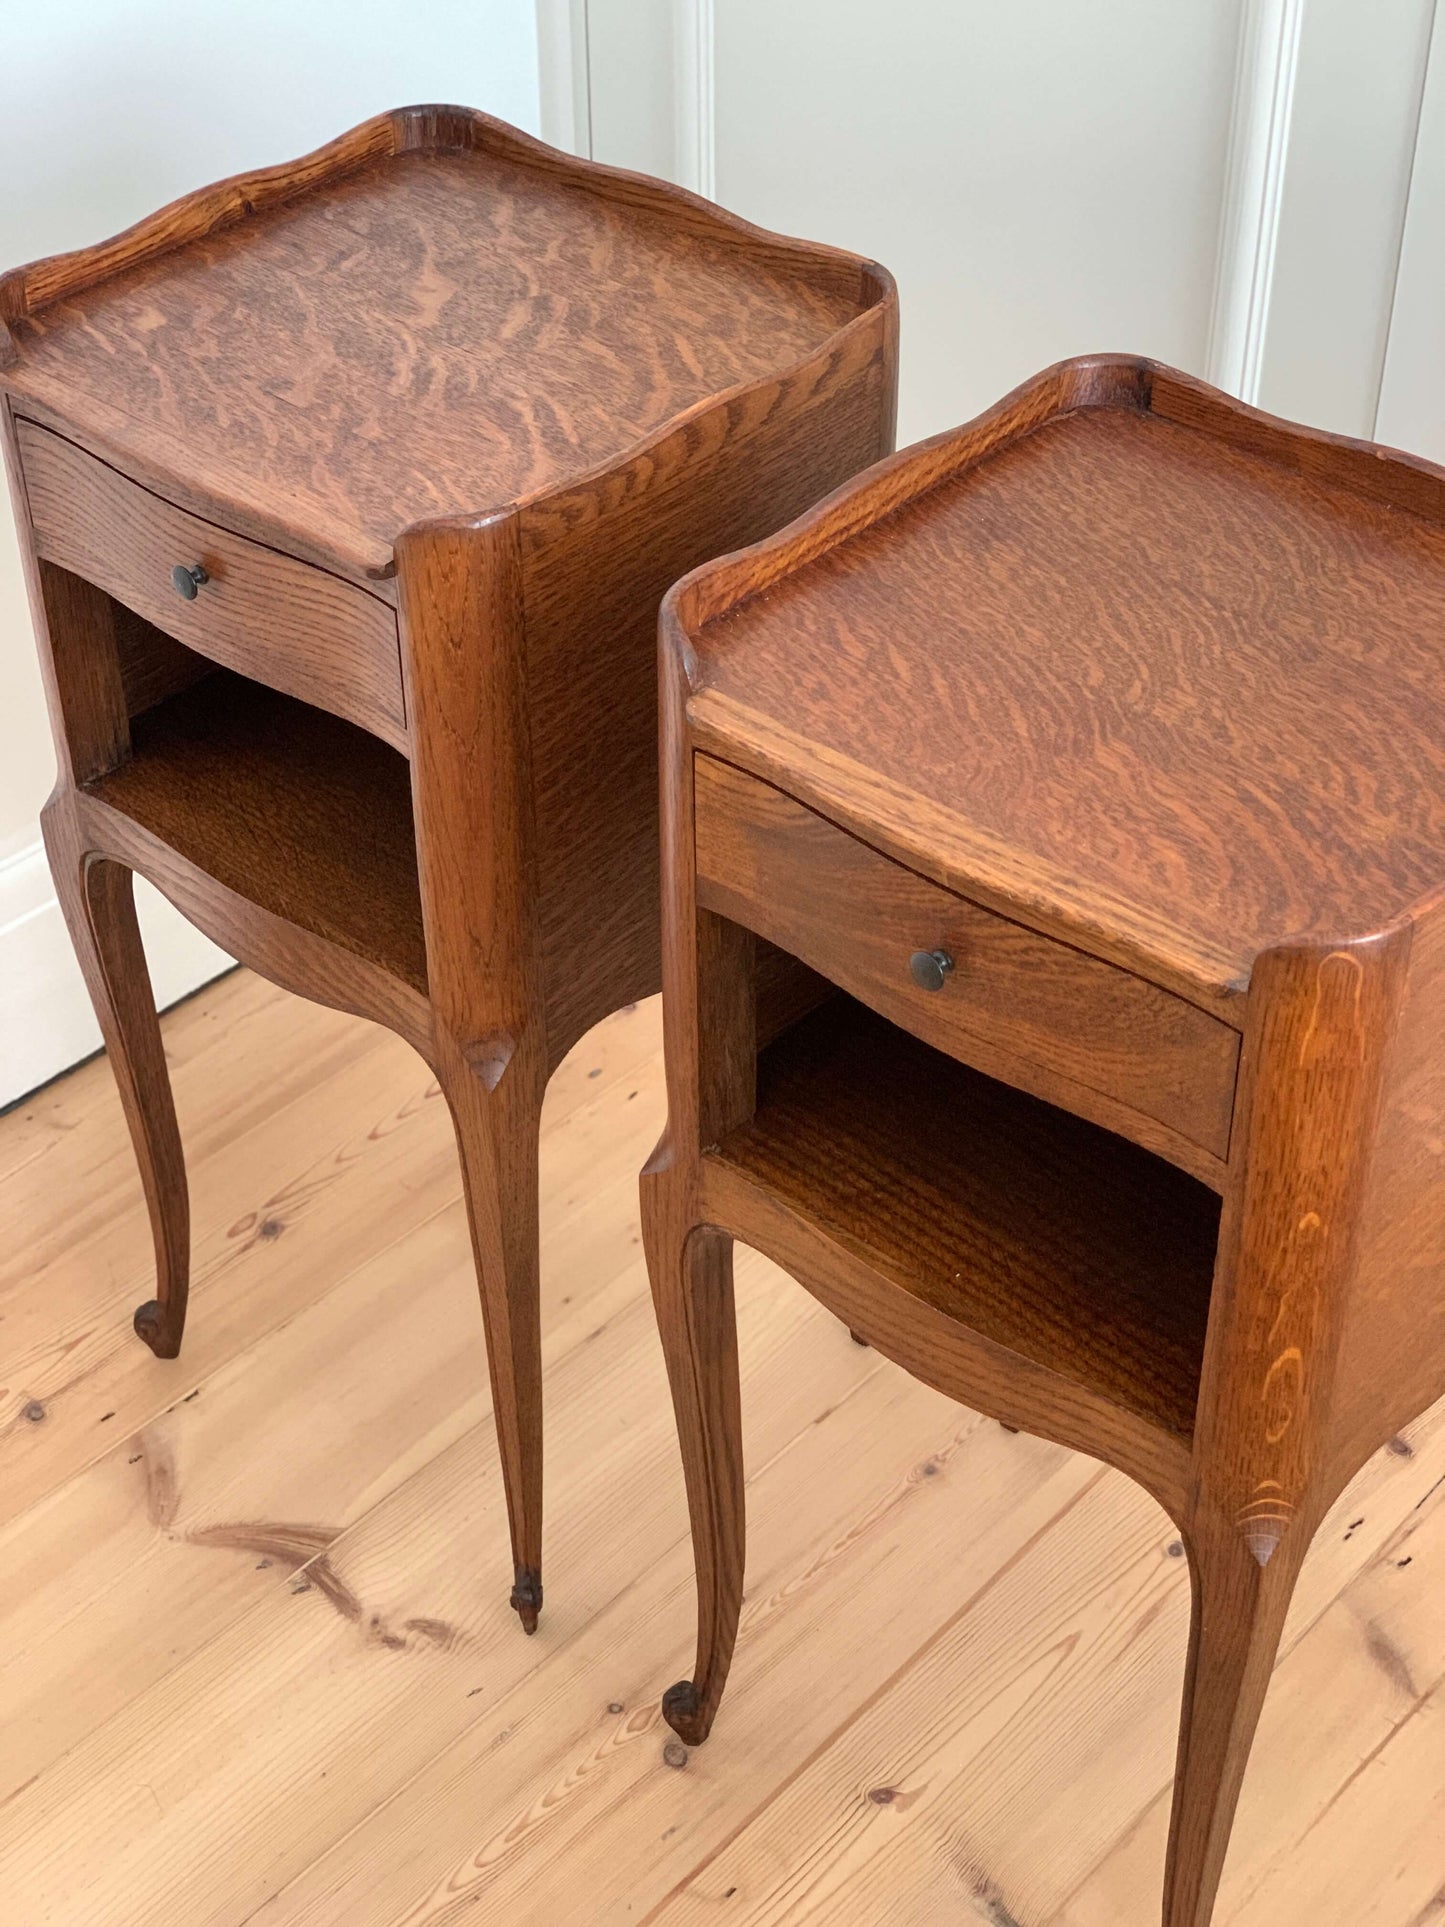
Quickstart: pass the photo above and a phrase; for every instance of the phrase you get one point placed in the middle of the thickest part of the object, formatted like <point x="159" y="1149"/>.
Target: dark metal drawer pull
<point x="929" y="968"/>
<point x="188" y="581"/>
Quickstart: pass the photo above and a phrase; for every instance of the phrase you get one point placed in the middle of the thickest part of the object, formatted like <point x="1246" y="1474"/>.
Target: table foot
<point x="527" y="1598"/>
<point x="683" y="1710"/>
<point x="153" y="1329"/>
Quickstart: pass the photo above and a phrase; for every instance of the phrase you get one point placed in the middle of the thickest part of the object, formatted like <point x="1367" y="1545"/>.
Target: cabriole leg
<point x="691" y="1271"/>
<point x="97" y="898"/>
<point x="1239" y="1614"/>
<point x="497" y="1141"/>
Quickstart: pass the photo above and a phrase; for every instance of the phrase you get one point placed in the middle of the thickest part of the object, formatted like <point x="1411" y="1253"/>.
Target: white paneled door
<point x="1411" y="410"/>
<point x="1220" y="183"/>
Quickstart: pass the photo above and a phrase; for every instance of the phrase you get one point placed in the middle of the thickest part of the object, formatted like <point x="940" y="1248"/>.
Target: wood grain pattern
<point x="1309" y="1105"/>
<point x="1050" y="1238"/>
<point x="335" y="1133"/>
<point x="1392" y="1346"/>
<point x="266" y="797"/>
<point x="409" y="331"/>
<point x="288" y="625"/>
<point x="153" y="665"/>
<point x="481" y="402"/>
<point x="1309" y="1102"/>
<point x="84" y="671"/>
<point x="1146" y="765"/>
<point x="1042" y="1015"/>
<point x="1143" y="670"/>
<point x="598" y="559"/>
<point x="97" y="899"/>
<point x="960" y="1650"/>
<point x="471" y="775"/>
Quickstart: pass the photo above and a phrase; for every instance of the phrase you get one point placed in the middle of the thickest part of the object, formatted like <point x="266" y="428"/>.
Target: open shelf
<point x="1042" y="1232"/>
<point x="298" y="812"/>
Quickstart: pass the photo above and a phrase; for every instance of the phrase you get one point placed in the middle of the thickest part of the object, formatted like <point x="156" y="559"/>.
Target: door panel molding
<point x="1411" y="413"/>
<point x="1323" y="125"/>
<point x="563" y="75"/>
<point x="1269" y="42"/>
<point x="1326" y="115"/>
<point x="694" y="41"/>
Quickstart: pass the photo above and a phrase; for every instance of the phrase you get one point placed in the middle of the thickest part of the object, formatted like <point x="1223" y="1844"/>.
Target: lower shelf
<point x="1045" y="1234"/>
<point x="304" y="815"/>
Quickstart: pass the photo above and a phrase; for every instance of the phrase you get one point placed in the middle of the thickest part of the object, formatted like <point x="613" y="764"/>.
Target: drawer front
<point x="1019" y="1006"/>
<point x="268" y="616"/>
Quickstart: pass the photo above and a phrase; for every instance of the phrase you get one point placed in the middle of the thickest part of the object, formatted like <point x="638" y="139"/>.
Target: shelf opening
<point x="305" y="815"/>
<point x="1046" y="1234"/>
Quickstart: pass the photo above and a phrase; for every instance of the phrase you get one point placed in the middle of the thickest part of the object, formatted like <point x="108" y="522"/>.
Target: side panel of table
<point x="597" y="560"/>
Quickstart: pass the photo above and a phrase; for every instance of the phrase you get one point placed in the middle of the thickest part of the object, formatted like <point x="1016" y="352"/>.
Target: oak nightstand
<point x="1053" y="841"/>
<point x="350" y="490"/>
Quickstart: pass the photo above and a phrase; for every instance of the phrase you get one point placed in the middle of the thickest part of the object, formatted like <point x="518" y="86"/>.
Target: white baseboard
<point x="46" y="1023"/>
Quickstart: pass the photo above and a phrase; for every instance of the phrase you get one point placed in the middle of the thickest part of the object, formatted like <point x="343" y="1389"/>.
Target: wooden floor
<point x="256" y="1659"/>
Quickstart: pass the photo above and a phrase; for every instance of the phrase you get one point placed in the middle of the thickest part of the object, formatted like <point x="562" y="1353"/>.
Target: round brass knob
<point x="187" y="582"/>
<point x="928" y="968"/>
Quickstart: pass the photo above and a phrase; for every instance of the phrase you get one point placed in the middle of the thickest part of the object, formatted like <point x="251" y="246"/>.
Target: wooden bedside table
<point x="350" y="490"/>
<point x="1053" y="841"/>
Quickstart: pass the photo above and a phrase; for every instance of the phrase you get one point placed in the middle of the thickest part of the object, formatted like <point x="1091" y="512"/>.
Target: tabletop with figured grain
<point x="1164" y="682"/>
<point x="439" y="332"/>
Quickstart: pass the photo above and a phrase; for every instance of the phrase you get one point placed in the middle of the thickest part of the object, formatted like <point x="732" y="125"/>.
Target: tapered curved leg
<point x="691" y="1270"/>
<point x="97" y="898"/>
<point x="497" y="1140"/>
<point x="1240" y="1605"/>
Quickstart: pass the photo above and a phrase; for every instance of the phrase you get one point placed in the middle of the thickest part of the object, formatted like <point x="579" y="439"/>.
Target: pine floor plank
<point x="270" y="1231"/>
<point x="1006" y="1815"/>
<point x="80" y="1099"/>
<point x="256" y="1661"/>
<point x="1358" y="1714"/>
<point x="1342" y="1698"/>
<point x="280" y="1210"/>
<point x="829" y="1568"/>
<point x="288" y="1727"/>
<point x="975" y="1782"/>
<point x="235" y="1059"/>
<point x="151" y="1550"/>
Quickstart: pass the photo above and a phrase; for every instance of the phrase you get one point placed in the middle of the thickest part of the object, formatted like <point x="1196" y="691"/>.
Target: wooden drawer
<point x="1022" y="1007"/>
<point x="264" y="614"/>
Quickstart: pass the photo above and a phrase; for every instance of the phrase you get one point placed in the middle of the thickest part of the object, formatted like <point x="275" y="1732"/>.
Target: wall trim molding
<point x="1269" y="47"/>
<point x="1410" y="411"/>
<point x="563" y="74"/>
<point x="46" y="1023"/>
<point x="694" y="48"/>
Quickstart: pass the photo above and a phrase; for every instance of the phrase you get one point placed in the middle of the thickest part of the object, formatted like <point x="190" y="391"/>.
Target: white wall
<point x="1047" y="177"/>
<point x="1044" y="178"/>
<point x="109" y="108"/>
